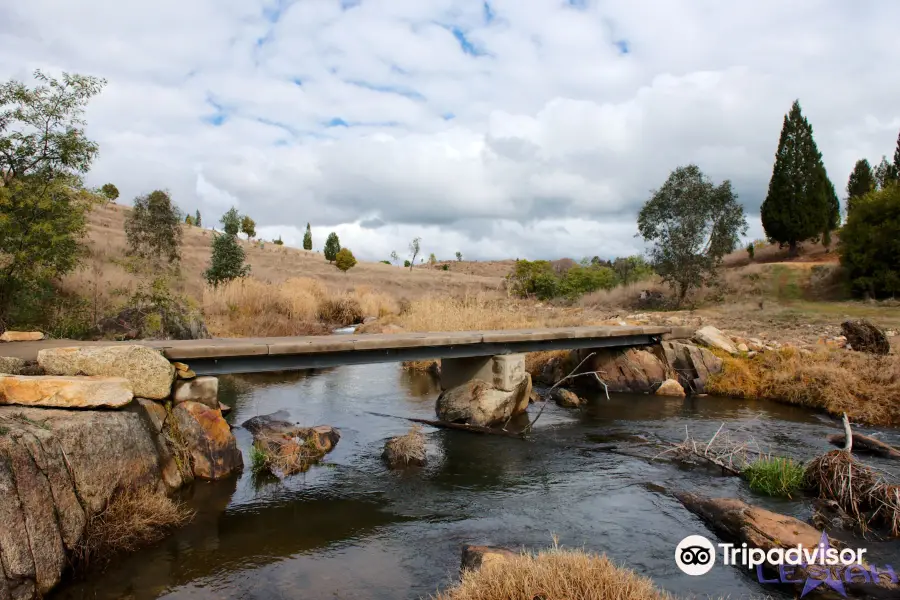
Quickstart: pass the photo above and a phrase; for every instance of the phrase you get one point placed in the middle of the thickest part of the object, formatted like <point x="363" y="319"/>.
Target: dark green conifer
<point x="861" y="182"/>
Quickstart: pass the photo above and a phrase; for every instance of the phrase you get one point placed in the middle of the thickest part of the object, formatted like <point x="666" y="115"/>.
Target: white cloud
<point x="529" y="134"/>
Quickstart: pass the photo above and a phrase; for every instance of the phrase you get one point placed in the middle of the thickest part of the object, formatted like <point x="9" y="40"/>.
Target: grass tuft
<point x="775" y="476"/>
<point x="258" y="460"/>
<point x="553" y="574"/>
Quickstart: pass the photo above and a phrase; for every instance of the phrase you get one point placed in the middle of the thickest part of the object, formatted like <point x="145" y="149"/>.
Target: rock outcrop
<point x="475" y="557"/>
<point x="207" y="437"/>
<point x="692" y="365"/>
<point x="204" y="390"/>
<point x="712" y="337"/>
<point x="148" y="371"/>
<point x="629" y="370"/>
<point x="65" y="392"/>
<point x="863" y="336"/>
<point x="477" y="402"/>
<point x="566" y="398"/>
<point x="21" y="336"/>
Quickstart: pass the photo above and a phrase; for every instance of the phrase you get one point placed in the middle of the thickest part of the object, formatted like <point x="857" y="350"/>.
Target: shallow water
<point x="350" y="528"/>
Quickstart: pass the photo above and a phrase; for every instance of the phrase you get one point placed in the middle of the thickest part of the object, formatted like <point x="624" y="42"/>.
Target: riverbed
<point x="350" y="528"/>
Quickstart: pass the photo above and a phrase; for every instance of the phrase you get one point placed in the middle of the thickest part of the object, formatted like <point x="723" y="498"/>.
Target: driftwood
<point x="729" y="456"/>
<point x="456" y="426"/>
<point x="863" y="443"/>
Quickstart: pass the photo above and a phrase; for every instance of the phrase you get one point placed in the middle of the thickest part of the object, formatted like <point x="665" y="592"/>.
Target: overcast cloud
<point x="503" y="129"/>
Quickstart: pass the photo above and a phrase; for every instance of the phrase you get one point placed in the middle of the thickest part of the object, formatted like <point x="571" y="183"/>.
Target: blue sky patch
<point x="389" y="89"/>
<point x="337" y="122"/>
<point x="623" y="46"/>
<point x="348" y="4"/>
<point x="489" y="14"/>
<point x="464" y="42"/>
<point x="447" y="116"/>
<point x="219" y="116"/>
<point x="578" y="3"/>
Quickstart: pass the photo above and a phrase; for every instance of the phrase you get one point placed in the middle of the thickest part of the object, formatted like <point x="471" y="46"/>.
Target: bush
<point x="775" y="476"/>
<point x="539" y="279"/>
<point x="445" y="267"/>
<point x="385" y="262"/>
<point x="407" y="264"/>
<point x="344" y="260"/>
<point x="341" y="311"/>
<point x="870" y="243"/>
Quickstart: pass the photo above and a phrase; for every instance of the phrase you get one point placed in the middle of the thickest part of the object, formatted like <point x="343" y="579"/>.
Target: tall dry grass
<point x="865" y="386"/>
<point x="298" y="306"/>
<point x="554" y="574"/>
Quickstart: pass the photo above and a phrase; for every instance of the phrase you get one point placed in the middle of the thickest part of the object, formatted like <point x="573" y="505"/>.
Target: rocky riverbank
<point x="99" y="425"/>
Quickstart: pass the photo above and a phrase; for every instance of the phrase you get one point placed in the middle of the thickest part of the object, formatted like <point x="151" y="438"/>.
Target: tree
<point x="692" y="224"/>
<point x="153" y="228"/>
<point x="197" y="221"/>
<point x="43" y="202"/>
<point x="332" y="247"/>
<point x="406" y="263"/>
<point x="231" y="222"/>
<point x="278" y="242"/>
<point x="885" y="174"/>
<point x="414" y="247"/>
<point x="458" y="256"/>
<point x="432" y="259"/>
<point x="110" y="191"/>
<point x="227" y="260"/>
<point x="631" y="269"/>
<point x="189" y="220"/>
<point x="870" y="243"/>
<point x="345" y="260"/>
<point x="751" y="250"/>
<point x="248" y="227"/>
<point x="897" y="160"/>
<point x="394" y="257"/>
<point x="307" y="238"/>
<point x="801" y="203"/>
<point x="861" y="182"/>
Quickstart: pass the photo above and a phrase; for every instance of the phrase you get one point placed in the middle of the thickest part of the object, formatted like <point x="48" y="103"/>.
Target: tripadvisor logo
<point x="820" y="565"/>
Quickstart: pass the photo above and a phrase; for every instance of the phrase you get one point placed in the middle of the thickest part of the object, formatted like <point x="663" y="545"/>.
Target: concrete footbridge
<point x="465" y="354"/>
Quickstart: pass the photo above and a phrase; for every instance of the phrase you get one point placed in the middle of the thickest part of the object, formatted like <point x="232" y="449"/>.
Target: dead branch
<point x="848" y="434"/>
<point x="456" y="426"/>
<point x="729" y="456"/>
<point x="571" y="375"/>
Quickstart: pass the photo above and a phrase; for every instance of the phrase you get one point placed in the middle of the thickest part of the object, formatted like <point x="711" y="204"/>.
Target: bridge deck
<point x="246" y="355"/>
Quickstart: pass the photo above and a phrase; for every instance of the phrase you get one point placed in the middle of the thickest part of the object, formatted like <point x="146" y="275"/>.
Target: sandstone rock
<point x="148" y="371"/>
<point x="474" y="557"/>
<point x="65" y="392"/>
<point x="670" y="387"/>
<point x="204" y="390"/>
<point x="477" y="402"/>
<point x="863" y="336"/>
<point x="10" y="365"/>
<point x="712" y="337"/>
<point x="756" y="344"/>
<point x="21" y="336"/>
<point x="565" y="398"/>
<point x="693" y="365"/>
<point x="182" y="371"/>
<point x="57" y="468"/>
<point x="405" y="450"/>
<point x="739" y="522"/>
<point x="631" y="370"/>
<point x="743" y="347"/>
<point x="212" y="447"/>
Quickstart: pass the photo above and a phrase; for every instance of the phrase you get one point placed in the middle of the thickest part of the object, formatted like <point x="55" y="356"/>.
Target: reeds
<point x="775" y="476"/>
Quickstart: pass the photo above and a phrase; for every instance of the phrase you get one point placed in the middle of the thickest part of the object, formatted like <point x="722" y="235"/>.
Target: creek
<point x="350" y="528"/>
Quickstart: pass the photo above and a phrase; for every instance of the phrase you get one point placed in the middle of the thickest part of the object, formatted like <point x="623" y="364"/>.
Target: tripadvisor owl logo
<point x="695" y="555"/>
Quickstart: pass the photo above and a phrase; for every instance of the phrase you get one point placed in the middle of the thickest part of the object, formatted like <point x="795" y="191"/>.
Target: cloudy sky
<point x="500" y="128"/>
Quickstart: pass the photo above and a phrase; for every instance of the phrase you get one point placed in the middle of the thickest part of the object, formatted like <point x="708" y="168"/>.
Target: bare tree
<point x="414" y="247"/>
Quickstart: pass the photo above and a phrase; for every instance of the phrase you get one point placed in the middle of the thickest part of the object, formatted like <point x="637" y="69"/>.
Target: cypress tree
<point x="896" y="165"/>
<point x="332" y="247"/>
<point x="307" y="238"/>
<point x="861" y="182"/>
<point x="801" y="202"/>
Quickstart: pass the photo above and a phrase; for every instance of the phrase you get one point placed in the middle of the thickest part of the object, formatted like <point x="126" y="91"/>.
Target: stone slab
<point x="65" y="392"/>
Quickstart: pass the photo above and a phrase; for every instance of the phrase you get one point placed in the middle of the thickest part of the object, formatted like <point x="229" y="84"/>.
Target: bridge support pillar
<point x="503" y="371"/>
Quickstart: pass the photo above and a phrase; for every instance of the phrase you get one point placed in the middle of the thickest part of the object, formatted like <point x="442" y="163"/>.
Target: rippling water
<point x="352" y="529"/>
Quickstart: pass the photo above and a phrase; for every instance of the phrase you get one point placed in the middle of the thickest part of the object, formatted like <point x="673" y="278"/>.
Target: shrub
<point x="870" y="243"/>
<point x="445" y="267"/>
<point x="751" y="250"/>
<point x="406" y="263"/>
<point x="344" y="260"/>
<point x="341" y="311"/>
<point x="775" y="476"/>
<point x="110" y="191"/>
<point x="385" y="262"/>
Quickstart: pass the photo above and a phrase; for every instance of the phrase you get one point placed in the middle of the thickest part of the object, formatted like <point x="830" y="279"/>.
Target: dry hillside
<point x="271" y="264"/>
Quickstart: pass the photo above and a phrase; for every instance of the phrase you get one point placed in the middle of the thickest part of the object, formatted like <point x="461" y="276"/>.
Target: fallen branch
<point x="864" y="443"/>
<point x="722" y="455"/>
<point x="456" y="426"/>
<point x="848" y="434"/>
<point x="571" y="375"/>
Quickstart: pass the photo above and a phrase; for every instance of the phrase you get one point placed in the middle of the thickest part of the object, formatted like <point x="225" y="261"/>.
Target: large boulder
<point x="630" y="370"/>
<point x="670" y="387"/>
<point x="712" y="337"/>
<point x="477" y="402"/>
<point x="863" y="336"/>
<point x="692" y="365"/>
<point x="739" y="522"/>
<point x="287" y="448"/>
<point x="58" y="468"/>
<point x="565" y="398"/>
<point x="149" y="372"/>
<point x="65" y="392"/>
<point x="174" y="459"/>
<point x="204" y="390"/>
<point x="207" y="437"/>
<point x="21" y="336"/>
<point x="475" y="557"/>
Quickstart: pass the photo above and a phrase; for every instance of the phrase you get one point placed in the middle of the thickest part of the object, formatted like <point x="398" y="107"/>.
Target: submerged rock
<point x="477" y="402"/>
<point x="863" y="336"/>
<point x="65" y="392"/>
<point x="148" y="371"/>
<point x="566" y="398"/>
<point x="405" y="450"/>
<point x="287" y="448"/>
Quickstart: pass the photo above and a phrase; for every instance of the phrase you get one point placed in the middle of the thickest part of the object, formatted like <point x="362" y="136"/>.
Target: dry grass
<point x="864" y="386"/>
<point x="133" y="518"/>
<point x="422" y="366"/>
<point x="554" y="574"/>
<point x="407" y="449"/>
<point x="284" y="455"/>
<point x="857" y="488"/>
